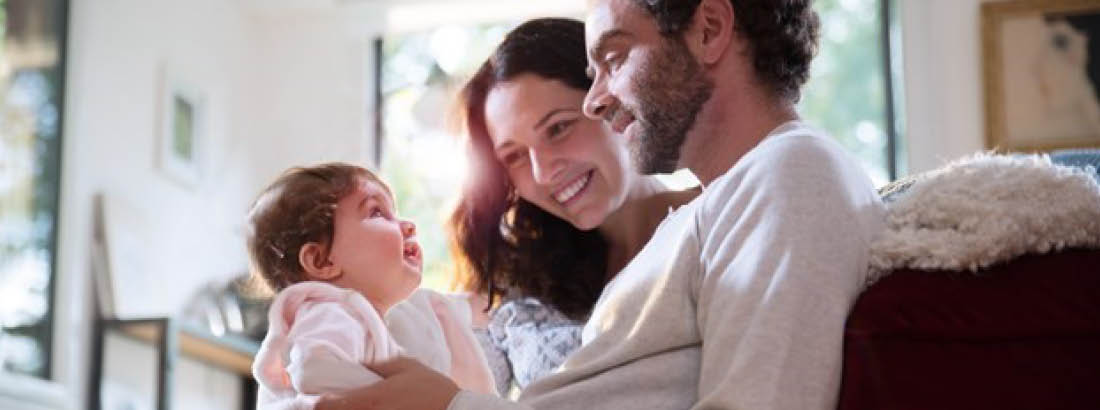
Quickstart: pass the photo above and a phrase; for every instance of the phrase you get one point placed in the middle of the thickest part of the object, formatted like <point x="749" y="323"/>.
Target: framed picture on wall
<point x="182" y="135"/>
<point x="1041" y="63"/>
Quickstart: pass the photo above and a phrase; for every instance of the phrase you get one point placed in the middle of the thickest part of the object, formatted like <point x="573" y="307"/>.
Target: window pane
<point x="846" y="94"/>
<point x="30" y="124"/>
<point x="421" y="158"/>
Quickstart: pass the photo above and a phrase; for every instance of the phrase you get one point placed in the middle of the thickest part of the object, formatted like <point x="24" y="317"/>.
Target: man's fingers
<point x="392" y="367"/>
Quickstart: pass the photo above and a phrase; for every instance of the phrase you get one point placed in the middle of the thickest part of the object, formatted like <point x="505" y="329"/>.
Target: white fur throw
<point x="986" y="209"/>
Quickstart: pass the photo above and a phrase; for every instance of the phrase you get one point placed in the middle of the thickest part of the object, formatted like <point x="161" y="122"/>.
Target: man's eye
<point x="612" y="61"/>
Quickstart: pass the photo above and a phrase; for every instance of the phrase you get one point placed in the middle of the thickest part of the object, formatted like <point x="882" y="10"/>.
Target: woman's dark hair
<point x="504" y="244"/>
<point x="782" y="36"/>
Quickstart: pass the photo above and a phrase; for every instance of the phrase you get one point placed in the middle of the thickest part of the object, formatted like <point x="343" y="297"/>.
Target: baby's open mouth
<point x="412" y="252"/>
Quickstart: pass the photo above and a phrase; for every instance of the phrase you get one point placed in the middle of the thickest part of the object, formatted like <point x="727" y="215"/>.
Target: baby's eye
<point x="377" y="212"/>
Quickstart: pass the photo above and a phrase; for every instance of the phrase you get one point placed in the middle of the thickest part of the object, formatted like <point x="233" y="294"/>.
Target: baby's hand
<point x="468" y="367"/>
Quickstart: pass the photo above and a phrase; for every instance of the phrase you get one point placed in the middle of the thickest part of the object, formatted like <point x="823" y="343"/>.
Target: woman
<point x="554" y="207"/>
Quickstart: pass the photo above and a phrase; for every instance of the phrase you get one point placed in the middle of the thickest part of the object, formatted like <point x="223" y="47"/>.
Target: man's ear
<point x="714" y="29"/>
<point x="315" y="262"/>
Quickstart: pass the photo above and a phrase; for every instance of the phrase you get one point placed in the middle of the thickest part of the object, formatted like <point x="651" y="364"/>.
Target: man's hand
<point x="407" y="385"/>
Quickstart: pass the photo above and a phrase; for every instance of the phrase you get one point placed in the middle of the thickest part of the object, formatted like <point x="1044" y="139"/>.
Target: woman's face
<point x="569" y="165"/>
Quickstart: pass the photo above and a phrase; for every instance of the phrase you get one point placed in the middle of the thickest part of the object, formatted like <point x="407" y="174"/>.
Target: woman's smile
<point x="573" y="189"/>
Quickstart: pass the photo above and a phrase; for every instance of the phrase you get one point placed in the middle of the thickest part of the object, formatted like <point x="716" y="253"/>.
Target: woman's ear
<point x="314" y="260"/>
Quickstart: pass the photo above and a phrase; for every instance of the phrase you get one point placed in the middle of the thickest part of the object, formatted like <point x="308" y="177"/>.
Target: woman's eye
<point x="557" y="129"/>
<point x="513" y="159"/>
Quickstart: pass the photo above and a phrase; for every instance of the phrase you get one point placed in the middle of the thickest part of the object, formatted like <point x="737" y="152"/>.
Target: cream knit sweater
<point x="740" y="298"/>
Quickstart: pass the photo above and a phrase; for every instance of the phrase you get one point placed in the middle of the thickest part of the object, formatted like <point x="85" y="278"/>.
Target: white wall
<point x="118" y="54"/>
<point x="287" y="83"/>
<point x="943" y="80"/>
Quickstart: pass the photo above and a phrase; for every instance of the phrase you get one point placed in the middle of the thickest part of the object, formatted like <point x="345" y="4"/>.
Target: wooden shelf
<point x="231" y="352"/>
<point x="172" y="338"/>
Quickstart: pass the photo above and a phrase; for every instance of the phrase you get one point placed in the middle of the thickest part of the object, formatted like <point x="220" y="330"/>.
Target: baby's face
<point x="376" y="252"/>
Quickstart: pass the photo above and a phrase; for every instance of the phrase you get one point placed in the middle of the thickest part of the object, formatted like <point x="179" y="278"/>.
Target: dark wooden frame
<point x="992" y="15"/>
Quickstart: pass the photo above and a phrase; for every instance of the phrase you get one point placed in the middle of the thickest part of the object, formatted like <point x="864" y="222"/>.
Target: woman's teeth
<point x="567" y="193"/>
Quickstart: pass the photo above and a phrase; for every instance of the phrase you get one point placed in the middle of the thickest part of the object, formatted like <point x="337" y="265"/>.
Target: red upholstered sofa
<point x="1019" y="335"/>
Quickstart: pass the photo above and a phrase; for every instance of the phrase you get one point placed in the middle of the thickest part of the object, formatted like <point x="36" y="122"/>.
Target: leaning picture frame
<point x="182" y="135"/>
<point x="1041" y="64"/>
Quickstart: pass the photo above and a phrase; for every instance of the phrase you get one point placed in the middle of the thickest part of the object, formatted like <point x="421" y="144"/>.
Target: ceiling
<point x="401" y="15"/>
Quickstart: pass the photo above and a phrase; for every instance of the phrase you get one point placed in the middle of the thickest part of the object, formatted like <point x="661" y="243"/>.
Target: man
<point x="739" y="299"/>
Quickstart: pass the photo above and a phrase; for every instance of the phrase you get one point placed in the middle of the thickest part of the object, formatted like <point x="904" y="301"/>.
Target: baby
<point x="328" y="240"/>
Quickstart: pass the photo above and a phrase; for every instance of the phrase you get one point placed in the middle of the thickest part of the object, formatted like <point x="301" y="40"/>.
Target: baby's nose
<point x="408" y="229"/>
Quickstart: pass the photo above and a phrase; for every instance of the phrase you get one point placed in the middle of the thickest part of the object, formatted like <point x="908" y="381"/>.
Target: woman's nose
<point x="546" y="166"/>
<point x="408" y="229"/>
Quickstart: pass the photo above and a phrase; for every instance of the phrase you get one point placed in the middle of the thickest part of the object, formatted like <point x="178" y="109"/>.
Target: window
<point x="31" y="70"/>
<point x="850" y="95"/>
<point x="420" y="75"/>
<point x="851" y="89"/>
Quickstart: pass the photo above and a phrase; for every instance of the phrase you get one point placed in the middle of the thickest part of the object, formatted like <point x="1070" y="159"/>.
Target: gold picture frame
<point x="1041" y="91"/>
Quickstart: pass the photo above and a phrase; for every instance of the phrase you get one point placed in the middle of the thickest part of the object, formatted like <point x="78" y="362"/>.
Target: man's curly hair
<point x="782" y="36"/>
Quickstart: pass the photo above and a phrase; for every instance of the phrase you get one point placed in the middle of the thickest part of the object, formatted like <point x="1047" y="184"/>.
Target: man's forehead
<point x="607" y="17"/>
<point x="598" y="20"/>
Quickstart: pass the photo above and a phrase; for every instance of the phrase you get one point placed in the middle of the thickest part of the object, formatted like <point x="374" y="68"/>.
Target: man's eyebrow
<point x="601" y="42"/>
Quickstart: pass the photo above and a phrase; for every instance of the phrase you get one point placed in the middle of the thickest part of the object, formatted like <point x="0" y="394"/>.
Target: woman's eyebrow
<point x="546" y="117"/>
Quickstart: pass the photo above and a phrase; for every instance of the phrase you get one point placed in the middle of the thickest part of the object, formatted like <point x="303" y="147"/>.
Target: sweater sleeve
<point x="468" y="400"/>
<point x="327" y="346"/>
<point x="784" y="252"/>
<point x="269" y="401"/>
<point x="469" y="367"/>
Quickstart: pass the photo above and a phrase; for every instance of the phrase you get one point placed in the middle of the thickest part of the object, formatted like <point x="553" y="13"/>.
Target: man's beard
<point x="671" y="89"/>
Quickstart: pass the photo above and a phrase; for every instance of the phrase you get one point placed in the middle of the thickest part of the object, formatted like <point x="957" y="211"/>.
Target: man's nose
<point x="597" y="100"/>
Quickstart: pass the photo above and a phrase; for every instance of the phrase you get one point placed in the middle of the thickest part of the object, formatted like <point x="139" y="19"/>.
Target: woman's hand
<point x="407" y="385"/>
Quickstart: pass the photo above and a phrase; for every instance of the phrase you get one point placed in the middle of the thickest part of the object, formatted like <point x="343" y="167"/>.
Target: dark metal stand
<point x="166" y="334"/>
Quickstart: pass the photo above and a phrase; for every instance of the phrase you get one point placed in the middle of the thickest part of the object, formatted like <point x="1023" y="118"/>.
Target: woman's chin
<point x="586" y="221"/>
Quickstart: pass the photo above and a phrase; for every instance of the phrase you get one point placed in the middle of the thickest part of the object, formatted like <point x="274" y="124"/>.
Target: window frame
<point x="47" y="392"/>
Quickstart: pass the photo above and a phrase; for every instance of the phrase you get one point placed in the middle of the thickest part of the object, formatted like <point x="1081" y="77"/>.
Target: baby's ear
<point x="314" y="260"/>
